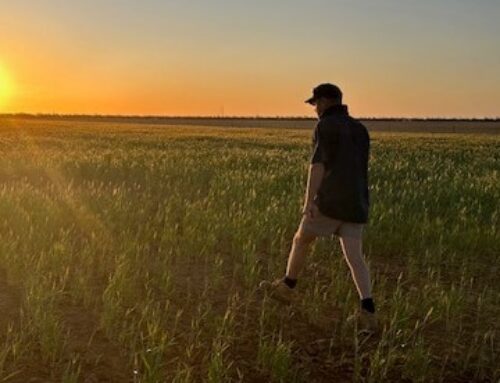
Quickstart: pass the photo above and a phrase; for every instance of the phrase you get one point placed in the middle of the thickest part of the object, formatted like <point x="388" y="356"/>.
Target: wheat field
<point x="132" y="253"/>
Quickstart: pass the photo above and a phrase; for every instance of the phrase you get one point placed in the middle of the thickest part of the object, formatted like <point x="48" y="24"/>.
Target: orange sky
<point x="248" y="59"/>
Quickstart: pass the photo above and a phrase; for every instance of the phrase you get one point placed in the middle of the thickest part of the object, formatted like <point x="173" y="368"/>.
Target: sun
<point x="6" y="87"/>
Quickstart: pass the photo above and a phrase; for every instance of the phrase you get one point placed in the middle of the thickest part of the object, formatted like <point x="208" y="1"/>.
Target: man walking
<point x="336" y="198"/>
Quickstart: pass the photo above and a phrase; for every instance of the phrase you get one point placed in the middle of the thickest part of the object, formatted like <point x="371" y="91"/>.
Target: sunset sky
<point x="212" y="57"/>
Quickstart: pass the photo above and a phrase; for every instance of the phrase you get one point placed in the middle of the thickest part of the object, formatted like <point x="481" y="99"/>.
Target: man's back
<point x="343" y="144"/>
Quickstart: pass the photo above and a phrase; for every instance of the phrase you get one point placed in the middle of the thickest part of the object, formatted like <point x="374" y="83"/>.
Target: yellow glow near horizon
<point x="6" y="87"/>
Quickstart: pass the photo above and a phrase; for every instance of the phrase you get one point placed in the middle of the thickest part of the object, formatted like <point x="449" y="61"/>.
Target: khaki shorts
<point x="322" y="226"/>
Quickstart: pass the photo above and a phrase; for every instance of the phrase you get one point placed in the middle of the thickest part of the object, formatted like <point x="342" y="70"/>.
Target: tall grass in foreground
<point x="134" y="253"/>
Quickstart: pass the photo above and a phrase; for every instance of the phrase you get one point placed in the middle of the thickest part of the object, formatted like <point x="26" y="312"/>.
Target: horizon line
<point x="224" y="117"/>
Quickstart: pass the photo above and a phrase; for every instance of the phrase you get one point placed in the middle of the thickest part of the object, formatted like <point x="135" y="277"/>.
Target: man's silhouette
<point x="336" y="198"/>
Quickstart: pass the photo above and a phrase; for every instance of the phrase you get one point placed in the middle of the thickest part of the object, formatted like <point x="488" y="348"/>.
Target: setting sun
<point x="6" y="86"/>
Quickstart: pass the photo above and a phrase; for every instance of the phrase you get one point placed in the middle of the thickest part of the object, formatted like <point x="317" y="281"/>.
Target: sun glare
<point x="6" y="87"/>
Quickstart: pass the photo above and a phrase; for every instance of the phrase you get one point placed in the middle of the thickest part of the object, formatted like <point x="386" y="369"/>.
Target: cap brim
<point x="311" y="100"/>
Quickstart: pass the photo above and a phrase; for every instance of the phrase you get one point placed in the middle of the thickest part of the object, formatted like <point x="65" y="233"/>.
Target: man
<point x="336" y="198"/>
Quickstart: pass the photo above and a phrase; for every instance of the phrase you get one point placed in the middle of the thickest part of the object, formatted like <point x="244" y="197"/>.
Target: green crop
<point x="132" y="252"/>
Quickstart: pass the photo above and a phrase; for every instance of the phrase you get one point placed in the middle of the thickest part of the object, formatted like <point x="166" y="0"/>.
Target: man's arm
<point x="316" y="172"/>
<point x="314" y="178"/>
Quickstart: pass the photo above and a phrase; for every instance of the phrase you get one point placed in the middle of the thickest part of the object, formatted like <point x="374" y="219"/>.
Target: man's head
<point x="324" y="96"/>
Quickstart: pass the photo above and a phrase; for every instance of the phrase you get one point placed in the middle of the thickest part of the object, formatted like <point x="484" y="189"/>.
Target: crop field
<point x="133" y="252"/>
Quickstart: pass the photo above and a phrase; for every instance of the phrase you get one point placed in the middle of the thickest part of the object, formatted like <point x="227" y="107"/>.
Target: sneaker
<point x="279" y="290"/>
<point x="367" y="322"/>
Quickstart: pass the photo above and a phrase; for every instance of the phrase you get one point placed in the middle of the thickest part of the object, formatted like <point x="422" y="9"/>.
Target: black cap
<point x="327" y="91"/>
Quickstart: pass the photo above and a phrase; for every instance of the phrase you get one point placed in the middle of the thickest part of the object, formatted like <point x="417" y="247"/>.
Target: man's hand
<point x="310" y="210"/>
<point x="314" y="178"/>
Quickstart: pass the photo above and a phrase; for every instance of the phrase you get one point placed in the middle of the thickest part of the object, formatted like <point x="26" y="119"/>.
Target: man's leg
<point x="283" y="288"/>
<point x="300" y="247"/>
<point x="353" y="253"/>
